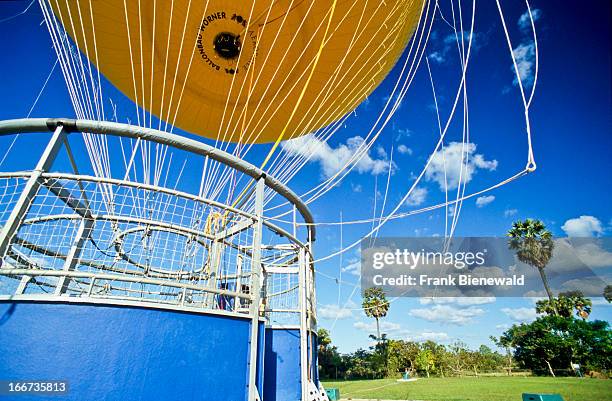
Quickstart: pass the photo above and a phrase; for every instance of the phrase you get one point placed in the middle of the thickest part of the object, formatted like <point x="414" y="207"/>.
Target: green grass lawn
<point x="475" y="388"/>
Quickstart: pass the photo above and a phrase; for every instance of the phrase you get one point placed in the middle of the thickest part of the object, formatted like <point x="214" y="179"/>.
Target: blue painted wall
<point x="261" y="358"/>
<point x="125" y="353"/>
<point x="282" y="365"/>
<point x="314" y="368"/>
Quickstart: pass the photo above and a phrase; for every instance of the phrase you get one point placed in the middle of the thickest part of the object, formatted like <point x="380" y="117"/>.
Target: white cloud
<point x="461" y="301"/>
<point x="524" y="22"/>
<point x="356" y="188"/>
<point x="370" y="327"/>
<point x="448" y="314"/>
<point x="525" y="52"/>
<point x="524" y="55"/>
<point x="417" y="196"/>
<point x="483" y="201"/>
<point x="503" y="326"/>
<point x="334" y="312"/>
<point x="381" y="152"/>
<point x="510" y="212"/>
<point x="593" y="255"/>
<point x="583" y="226"/>
<point x="590" y="286"/>
<point x="600" y="302"/>
<point x="354" y="267"/>
<point x="400" y="133"/>
<point x="392" y="102"/>
<point x="520" y="315"/>
<point x="429" y="335"/>
<point x="404" y="150"/>
<point x="477" y="38"/>
<point x="420" y="232"/>
<point x="332" y="159"/>
<point x="438" y="57"/>
<point x="571" y="259"/>
<point x="575" y="255"/>
<point x="450" y="44"/>
<point x="396" y="330"/>
<point x="535" y="295"/>
<point x="453" y="158"/>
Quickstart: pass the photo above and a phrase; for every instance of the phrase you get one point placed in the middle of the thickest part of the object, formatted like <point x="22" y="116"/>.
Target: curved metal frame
<point x="37" y="125"/>
<point x="104" y="291"/>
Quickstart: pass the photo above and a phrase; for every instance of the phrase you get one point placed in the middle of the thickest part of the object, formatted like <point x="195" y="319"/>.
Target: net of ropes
<point x="259" y="80"/>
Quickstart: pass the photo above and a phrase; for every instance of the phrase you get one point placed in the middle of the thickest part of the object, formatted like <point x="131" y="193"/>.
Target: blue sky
<point x="571" y="125"/>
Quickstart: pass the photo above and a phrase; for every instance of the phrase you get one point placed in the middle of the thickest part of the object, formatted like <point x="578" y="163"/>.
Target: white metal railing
<point x="71" y="237"/>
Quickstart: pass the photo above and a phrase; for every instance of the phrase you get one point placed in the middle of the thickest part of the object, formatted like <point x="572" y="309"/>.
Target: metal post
<point x="213" y="271"/>
<point x="294" y="222"/>
<point x="302" y="261"/>
<point x="256" y="272"/>
<point x="30" y="190"/>
<point x="238" y="281"/>
<point x="74" y="254"/>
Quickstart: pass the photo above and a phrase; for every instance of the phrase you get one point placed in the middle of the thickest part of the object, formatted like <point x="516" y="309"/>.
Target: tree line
<point x="560" y="341"/>
<point x="391" y="358"/>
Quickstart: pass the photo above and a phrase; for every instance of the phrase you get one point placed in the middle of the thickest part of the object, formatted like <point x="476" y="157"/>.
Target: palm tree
<point x="533" y="245"/>
<point x="565" y="304"/>
<point x="375" y="305"/>
<point x="608" y="293"/>
<point x="579" y="303"/>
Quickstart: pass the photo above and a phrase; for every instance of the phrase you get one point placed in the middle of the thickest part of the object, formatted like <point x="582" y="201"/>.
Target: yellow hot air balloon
<point x="243" y="71"/>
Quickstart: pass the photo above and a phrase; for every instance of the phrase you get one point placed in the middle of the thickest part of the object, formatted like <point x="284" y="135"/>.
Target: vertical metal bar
<point x="294" y="222"/>
<point x="256" y="273"/>
<point x="238" y="288"/>
<point x="92" y="283"/>
<point x="312" y="289"/>
<point x="302" y="261"/>
<point x="183" y="296"/>
<point x="74" y="254"/>
<point x="25" y="280"/>
<point x="213" y="270"/>
<point x="30" y="190"/>
<point x="311" y="316"/>
<point x="76" y="171"/>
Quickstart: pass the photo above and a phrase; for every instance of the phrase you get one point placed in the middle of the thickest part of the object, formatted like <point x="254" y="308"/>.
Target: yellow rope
<point x="297" y="104"/>
<point x="213" y="222"/>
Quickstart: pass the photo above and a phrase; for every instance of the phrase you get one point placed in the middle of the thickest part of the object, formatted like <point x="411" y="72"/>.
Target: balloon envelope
<point x="235" y="70"/>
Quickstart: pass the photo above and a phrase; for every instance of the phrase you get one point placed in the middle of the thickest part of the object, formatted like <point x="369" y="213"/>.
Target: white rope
<point x="22" y="12"/>
<point x="16" y="137"/>
<point x="285" y="165"/>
